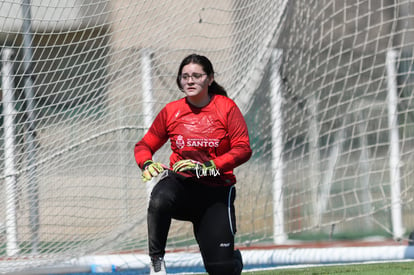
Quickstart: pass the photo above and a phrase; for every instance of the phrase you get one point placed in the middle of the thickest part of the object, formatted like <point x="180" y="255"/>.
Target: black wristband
<point x="146" y="164"/>
<point x="208" y="164"/>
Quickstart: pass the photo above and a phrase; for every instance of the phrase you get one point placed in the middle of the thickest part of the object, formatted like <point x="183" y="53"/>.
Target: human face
<point x="196" y="88"/>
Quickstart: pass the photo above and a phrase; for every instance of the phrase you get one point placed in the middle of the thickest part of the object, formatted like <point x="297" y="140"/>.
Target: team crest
<point x="180" y="142"/>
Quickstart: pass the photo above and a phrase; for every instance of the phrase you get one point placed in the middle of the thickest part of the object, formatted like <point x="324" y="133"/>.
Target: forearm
<point x="146" y="147"/>
<point x="142" y="154"/>
<point x="235" y="157"/>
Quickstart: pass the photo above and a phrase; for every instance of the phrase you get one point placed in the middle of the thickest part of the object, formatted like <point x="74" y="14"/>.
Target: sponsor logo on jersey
<point x="201" y="142"/>
<point x="196" y="142"/>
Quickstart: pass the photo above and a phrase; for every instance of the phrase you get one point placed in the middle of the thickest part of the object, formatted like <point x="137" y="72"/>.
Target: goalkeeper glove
<point x="151" y="169"/>
<point x="207" y="168"/>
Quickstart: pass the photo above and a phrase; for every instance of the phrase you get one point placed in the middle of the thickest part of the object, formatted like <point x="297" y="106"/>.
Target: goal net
<point x="325" y="88"/>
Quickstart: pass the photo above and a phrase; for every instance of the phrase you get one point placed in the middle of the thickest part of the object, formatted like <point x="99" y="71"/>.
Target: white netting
<point x="81" y="87"/>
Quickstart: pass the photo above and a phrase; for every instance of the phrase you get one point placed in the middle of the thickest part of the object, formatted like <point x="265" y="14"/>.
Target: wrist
<point x="146" y="164"/>
<point x="209" y="164"/>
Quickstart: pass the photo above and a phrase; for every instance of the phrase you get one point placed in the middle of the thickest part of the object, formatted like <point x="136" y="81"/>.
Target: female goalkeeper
<point x="209" y="138"/>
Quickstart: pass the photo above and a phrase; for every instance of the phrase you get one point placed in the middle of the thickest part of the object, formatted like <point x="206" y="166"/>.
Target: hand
<point x="151" y="169"/>
<point x="185" y="165"/>
<point x="207" y="168"/>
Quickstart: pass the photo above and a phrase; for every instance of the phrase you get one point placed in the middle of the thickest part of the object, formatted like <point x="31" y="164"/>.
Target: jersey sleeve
<point x="240" y="150"/>
<point x="152" y="140"/>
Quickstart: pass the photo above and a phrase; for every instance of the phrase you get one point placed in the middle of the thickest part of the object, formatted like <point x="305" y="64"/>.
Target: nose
<point x="190" y="79"/>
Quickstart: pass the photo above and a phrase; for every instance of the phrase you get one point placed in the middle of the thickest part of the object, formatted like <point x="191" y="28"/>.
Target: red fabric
<point x="215" y="132"/>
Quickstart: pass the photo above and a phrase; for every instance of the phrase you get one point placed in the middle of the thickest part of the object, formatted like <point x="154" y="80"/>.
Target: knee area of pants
<point x="160" y="201"/>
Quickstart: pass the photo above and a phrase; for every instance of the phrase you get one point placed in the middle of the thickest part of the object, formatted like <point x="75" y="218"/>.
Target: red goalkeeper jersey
<point x="215" y="132"/>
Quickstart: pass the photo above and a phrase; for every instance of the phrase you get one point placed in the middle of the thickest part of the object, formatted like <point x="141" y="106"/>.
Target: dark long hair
<point x="205" y="63"/>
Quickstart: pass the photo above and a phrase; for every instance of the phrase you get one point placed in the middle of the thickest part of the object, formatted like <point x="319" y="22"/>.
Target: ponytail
<point x="216" y="89"/>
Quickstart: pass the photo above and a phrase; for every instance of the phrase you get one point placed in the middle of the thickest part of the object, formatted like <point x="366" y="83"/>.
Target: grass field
<point x="400" y="268"/>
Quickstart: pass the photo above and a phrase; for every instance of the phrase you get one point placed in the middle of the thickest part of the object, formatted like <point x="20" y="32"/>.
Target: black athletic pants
<point x="210" y="209"/>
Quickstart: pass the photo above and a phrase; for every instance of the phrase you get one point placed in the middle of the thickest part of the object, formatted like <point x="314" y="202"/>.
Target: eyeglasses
<point x="194" y="77"/>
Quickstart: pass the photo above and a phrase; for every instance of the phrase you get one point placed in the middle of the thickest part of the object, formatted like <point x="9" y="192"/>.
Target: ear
<point x="210" y="79"/>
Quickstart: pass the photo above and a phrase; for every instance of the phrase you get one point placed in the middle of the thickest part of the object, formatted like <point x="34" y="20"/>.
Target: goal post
<point x="10" y="178"/>
<point x="276" y="99"/>
<point x="395" y="160"/>
<point x="325" y="88"/>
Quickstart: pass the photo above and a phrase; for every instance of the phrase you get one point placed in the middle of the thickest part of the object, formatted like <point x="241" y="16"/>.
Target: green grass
<point x="400" y="268"/>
